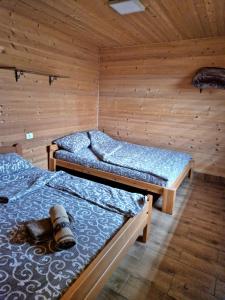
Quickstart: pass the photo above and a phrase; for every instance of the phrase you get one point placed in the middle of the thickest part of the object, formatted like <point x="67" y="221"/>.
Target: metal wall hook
<point x="52" y="78"/>
<point x="18" y="74"/>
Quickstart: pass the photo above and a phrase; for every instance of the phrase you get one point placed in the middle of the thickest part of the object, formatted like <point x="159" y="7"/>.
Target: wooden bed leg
<point x="51" y="160"/>
<point x="168" y="200"/>
<point x="52" y="164"/>
<point x="146" y="229"/>
<point x="190" y="174"/>
<point x="144" y="237"/>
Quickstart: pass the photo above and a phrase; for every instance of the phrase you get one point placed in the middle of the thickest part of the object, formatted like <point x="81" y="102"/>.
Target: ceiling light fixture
<point x="124" y="7"/>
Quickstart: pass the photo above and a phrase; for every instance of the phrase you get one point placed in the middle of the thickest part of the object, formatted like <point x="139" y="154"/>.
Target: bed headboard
<point x="14" y="148"/>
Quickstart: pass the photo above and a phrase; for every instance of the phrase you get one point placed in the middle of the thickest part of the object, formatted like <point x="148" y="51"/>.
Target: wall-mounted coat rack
<point x="18" y="72"/>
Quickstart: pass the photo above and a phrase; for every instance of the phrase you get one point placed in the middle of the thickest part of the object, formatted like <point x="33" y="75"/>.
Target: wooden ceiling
<point x="96" y="22"/>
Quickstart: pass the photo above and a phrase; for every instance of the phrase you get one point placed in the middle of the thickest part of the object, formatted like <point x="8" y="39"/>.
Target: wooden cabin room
<point x="112" y="149"/>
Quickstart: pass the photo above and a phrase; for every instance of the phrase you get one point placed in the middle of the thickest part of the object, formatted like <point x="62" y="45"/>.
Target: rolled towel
<point x="62" y="233"/>
<point x="40" y="230"/>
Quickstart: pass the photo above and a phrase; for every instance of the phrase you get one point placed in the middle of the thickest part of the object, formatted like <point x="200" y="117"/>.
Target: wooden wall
<point x="31" y="105"/>
<point x="146" y="97"/>
<point x="145" y="91"/>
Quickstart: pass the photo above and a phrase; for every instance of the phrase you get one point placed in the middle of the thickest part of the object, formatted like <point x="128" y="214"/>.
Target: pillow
<point x="12" y="162"/>
<point x="102" y="144"/>
<point x="73" y="142"/>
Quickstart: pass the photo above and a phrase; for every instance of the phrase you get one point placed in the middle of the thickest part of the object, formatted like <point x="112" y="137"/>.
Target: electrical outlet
<point x="29" y="135"/>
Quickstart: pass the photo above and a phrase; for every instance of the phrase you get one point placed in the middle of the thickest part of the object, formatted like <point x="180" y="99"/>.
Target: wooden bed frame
<point x="15" y="148"/>
<point x="168" y="193"/>
<point x="93" y="278"/>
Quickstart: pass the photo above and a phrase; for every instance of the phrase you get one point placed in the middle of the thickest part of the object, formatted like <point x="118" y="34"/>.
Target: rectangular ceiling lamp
<point x="125" y="7"/>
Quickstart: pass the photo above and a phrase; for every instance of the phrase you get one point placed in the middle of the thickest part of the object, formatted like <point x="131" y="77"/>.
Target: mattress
<point x="40" y="271"/>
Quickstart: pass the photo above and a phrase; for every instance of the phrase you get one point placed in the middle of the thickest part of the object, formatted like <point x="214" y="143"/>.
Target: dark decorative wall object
<point x="209" y="77"/>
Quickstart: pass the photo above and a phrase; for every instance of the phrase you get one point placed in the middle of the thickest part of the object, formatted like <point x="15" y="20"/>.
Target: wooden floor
<point x="185" y="256"/>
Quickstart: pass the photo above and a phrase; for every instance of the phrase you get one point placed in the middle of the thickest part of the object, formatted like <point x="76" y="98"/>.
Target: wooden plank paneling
<point x="96" y="22"/>
<point x="146" y="97"/>
<point x="31" y="105"/>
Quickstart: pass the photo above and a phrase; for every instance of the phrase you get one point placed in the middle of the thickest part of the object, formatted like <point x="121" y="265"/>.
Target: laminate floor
<point x="184" y="258"/>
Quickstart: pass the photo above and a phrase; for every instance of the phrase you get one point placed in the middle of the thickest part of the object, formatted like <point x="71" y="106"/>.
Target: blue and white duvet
<point x="41" y="271"/>
<point x="149" y="164"/>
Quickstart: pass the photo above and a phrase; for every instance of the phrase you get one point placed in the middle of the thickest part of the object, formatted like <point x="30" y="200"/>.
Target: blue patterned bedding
<point x="162" y="163"/>
<point x="149" y="164"/>
<point x="41" y="271"/>
<point x="113" y="199"/>
<point x="86" y="157"/>
<point x="20" y="183"/>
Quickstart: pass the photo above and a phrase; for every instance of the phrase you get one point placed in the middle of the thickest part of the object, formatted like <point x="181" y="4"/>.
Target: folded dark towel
<point x="4" y="199"/>
<point x="40" y="230"/>
<point x="62" y="233"/>
<point x="56" y="227"/>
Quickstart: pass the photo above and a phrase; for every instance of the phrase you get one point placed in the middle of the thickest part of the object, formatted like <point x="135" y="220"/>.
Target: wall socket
<point x="29" y="135"/>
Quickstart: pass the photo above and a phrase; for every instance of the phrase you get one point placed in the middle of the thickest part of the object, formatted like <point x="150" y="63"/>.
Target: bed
<point x="107" y="222"/>
<point x="99" y="155"/>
